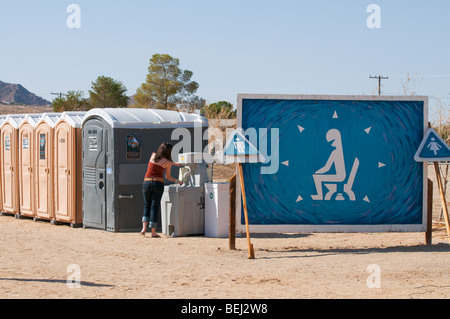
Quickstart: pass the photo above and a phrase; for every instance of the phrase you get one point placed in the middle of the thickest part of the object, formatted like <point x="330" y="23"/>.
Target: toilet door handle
<point x="126" y="196"/>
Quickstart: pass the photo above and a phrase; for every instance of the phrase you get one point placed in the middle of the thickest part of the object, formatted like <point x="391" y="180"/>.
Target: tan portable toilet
<point x="9" y="155"/>
<point x="27" y="164"/>
<point x="2" y="120"/>
<point x="44" y="136"/>
<point x="67" y="169"/>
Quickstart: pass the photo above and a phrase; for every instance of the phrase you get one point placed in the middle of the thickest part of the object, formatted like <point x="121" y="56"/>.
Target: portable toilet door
<point x="2" y="120"/>
<point x="67" y="168"/>
<point x="94" y="136"/>
<point x="10" y="163"/>
<point x="44" y="166"/>
<point x="26" y="164"/>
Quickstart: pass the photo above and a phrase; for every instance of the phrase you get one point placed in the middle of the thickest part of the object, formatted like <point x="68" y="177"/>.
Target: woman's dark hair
<point x="164" y="151"/>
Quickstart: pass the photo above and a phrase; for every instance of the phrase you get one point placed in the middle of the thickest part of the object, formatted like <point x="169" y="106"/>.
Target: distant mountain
<point x="17" y="94"/>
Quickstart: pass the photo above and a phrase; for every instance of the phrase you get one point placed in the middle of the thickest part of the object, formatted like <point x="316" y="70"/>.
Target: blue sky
<point x="246" y="46"/>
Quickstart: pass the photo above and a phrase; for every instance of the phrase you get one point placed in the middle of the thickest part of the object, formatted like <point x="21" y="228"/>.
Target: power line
<point x="379" y="81"/>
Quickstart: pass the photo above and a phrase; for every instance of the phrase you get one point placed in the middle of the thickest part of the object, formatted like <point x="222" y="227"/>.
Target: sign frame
<point x="285" y="228"/>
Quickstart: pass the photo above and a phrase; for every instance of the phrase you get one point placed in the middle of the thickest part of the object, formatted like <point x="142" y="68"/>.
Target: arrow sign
<point x="433" y="148"/>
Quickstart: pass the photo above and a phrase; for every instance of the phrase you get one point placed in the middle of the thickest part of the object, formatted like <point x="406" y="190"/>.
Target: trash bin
<point x="217" y="196"/>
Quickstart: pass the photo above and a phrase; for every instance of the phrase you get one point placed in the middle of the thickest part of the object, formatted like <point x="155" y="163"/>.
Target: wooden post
<point x="232" y="227"/>
<point x="441" y="191"/>
<point x="251" y="253"/>
<point x="428" y="234"/>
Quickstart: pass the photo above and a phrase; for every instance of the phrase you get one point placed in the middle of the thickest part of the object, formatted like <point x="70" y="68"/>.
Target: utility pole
<point x="60" y="94"/>
<point x="379" y="81"/>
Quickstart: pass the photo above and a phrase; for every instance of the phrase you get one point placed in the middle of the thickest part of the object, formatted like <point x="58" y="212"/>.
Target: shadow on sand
<point x="61" y="281"/>
<point x="320" y="252"/>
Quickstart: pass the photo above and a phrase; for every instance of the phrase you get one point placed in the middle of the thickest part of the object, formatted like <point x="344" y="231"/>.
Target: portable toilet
<point x="117" y="145"/>
<point x="10" y="163"/>
<point x="44" y="165"/>
<point x="27" y="164"/>
<point x="67" y="168"/>
<point x="2" y="119"/>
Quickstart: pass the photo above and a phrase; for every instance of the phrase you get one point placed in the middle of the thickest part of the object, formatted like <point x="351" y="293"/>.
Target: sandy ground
<point x="35" y="256"/>
<point x="36" y="261"/>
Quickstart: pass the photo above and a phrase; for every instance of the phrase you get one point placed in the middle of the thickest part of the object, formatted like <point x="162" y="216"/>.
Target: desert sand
<point x="37" y="258"/>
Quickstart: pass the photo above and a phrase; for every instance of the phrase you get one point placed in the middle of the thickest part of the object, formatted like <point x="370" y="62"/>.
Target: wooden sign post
<point x="251" y="252"/>
<point x="239" y="150"/>
<point x="441" y="192"/>
<point x="434" y="149"/>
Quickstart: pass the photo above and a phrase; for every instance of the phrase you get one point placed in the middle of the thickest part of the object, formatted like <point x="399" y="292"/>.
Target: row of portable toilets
<point x="85" y="168"/>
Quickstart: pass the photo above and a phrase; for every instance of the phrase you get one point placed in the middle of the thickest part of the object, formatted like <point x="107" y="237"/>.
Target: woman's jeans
<point x="153" y="191"/>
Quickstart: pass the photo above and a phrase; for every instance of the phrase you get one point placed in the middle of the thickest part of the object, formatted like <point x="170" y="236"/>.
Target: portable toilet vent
<point x="117" y="144"/>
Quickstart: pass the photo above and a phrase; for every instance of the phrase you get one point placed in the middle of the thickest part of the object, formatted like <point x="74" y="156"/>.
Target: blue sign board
<point x="345" y="163"/>
<point x="433" y="148"/>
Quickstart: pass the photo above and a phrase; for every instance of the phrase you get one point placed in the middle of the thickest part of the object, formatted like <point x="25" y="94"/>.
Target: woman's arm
<point x="169" y="177"/>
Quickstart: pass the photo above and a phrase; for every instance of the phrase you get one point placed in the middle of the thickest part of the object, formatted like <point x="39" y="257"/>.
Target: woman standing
<point x="153" y="186"/>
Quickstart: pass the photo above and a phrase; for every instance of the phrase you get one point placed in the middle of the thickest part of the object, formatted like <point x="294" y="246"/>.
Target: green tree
<point x="107" y="92"/>
<point x="72" y="101"/>
<point x="167" y="86"/>
<point x="219" y="110"/>
<point x="192" y="103"/>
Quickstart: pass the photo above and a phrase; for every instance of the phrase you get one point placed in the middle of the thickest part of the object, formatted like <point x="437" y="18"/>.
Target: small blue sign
<point x="433" y="148"/>
<point x="238" y="147"/>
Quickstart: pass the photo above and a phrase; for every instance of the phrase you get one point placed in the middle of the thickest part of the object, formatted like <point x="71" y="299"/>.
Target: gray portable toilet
<point x="117" y="144"/>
